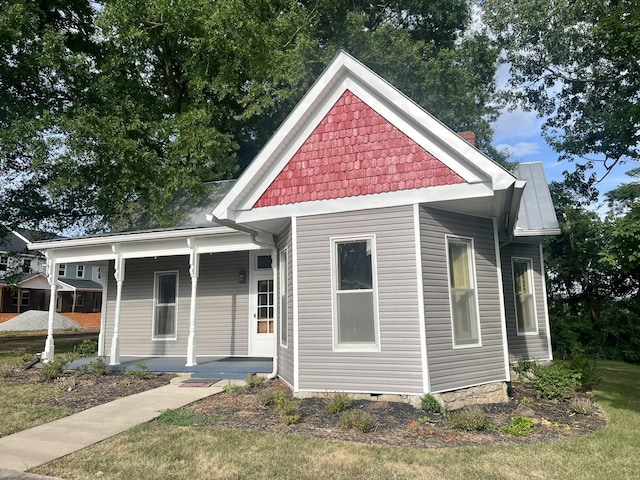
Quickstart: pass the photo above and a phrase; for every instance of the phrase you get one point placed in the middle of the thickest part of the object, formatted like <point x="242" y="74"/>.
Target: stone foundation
<point x="478" y="395"/>
<point x="481" y="394"/>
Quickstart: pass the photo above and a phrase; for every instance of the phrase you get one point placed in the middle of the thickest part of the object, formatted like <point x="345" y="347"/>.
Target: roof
<point x="536" y="215"/>
<point x="81" y="284"/>
<point x="13" y="243"/>
<point x="20" y="278"/>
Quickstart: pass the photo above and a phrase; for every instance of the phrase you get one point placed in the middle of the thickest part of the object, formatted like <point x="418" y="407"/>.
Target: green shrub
<point x="519" y="426"/>
<point x="358" y="419"/>
<point x="232" y="389"/>
<point x="266" y="397"/>
<point x="555" y="381"/>
<point x="470" y="419"/>
<point x="287" y="408"/>
<point x="140" y="371"/>
<point x="86" y="348"/>
<point x="339" y="402"/>
<point x="423" y="420"/>
<point x="589" y="374"/>
<point x="583" y="406"/>
<point x="524" y="366"/>
<point x="428" y="403"/>
<point x="53" y="369"/>
<point x="99" y="366"/>
<point x="254" y="380"/>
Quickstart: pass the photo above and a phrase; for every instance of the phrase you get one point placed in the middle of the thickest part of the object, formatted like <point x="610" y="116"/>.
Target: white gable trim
<point x="347" y="73"/>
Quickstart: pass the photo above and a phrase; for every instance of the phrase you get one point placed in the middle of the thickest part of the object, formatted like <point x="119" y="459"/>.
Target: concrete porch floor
<point x="234" y="368"/>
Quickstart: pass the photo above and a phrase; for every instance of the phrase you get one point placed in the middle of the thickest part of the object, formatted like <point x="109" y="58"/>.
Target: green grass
<point x="156" y="450"/>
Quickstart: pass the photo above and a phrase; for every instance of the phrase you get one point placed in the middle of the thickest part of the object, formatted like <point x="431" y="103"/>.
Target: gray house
<point x="367" y="248"/>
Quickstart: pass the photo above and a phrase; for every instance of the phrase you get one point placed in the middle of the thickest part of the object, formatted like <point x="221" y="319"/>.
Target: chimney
<point x="468" y="137"/>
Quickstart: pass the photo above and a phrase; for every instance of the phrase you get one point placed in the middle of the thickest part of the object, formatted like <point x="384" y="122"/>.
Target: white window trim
<point x="25" y="294"/>
<point x="474" y="278"/>
<point x="283" y="272"/>
<point x="62" y="269"/>
<point x="533" y="292"/>
<point x="4" y="260"/>
<point x="79" y="272"/>
<point x="79" y="299"/>
<point x="154" y="337"/>
<point x="355" y="347"/>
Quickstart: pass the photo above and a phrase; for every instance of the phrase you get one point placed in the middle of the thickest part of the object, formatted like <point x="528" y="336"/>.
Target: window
<point x="26" y="265"/>
<point x="25" y="296"/>
<point x="79" y="299"/>
<point x="80" y="271"/>
<point x="284" y="298"/>
<point x="355" y="299"/>
<point x="62" y="269"/>
<point x="462" y="292"/>
<point x="165" y="305"/>
<point x="263" y="262"/>
<point x="14" y="298"/>
<point x="4" y="262"/>
<point x="524" y="298"/>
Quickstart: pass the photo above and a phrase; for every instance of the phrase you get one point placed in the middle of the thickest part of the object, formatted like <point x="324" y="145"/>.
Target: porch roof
<point x="82" y="285"/>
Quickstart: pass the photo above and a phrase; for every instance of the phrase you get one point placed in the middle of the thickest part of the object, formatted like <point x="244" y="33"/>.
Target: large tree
<point x="174" y="93"/>
<point x="576" y="62"/>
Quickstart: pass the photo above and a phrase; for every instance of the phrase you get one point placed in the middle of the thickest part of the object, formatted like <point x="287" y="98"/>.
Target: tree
<point x="576" y="63"/>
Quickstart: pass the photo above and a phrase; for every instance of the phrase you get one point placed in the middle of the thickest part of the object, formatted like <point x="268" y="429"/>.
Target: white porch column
<point x="194" y="271"/>
<point x="104" y="269"/>
<point x="114" y="357"/>
<point x="52" y="276"/>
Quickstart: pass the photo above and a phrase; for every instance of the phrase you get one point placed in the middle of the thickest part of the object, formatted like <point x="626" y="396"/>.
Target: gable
<point x="355" y="151"/>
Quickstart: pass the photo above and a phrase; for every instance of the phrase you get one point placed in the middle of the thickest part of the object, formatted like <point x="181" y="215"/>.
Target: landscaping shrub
<point x="99" y="366"/>
<point x="140" y="371"/>
<point x="555" y="381"/>
<point x="86" y="348"/>
<point x="232" y="389"/>
<point x="519" y="426"/>
<point x="53" y="369"/>
<point x="589" y="374"/>
<point x="583" y="406"/>
<point x="358" y="419"/>
<point x="428" y="403"/>
<point x="255" y="380"/>
<point x="470" y="419"/>
<point x="339" y="402"/>
<point x="287" y="408"/>
<point x="266" y="397"/>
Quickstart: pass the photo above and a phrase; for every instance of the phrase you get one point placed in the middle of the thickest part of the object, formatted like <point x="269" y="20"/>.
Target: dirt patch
<point x="399" y="424"/>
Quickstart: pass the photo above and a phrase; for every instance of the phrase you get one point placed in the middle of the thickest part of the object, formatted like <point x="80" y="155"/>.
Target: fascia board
<point x="365" y="202"/>
<point x="537" y="232"/>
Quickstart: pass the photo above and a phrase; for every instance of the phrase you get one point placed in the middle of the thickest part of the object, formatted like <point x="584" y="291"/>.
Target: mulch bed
<point x="397" y="423"/>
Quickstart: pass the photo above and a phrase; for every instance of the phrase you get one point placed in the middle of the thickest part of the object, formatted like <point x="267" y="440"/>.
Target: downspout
<point x="255" y="234"/>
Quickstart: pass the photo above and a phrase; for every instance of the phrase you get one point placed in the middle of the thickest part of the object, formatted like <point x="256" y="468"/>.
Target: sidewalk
<point x="44" y="443"/>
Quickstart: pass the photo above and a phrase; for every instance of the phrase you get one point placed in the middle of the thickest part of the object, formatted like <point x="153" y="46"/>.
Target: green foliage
<point x="86" y="348"/>
<point x="287" y="407"/>
<point x="253" y="380"/>
<point x="429" y="403"/>
<point x="423" y="420"/>
<point x="358" y="419"/>
<point x="188" y="418"/>
<point x="519" y="426"/>
<point x="338" y="402"/>
<point x="232" y="388"/>
<point x="555" y="381"/>
<point x="524" y="366"/>
<point x="99" y="366"/>
<point x="140" y="370"/>
<point x="589" y="374"/>
<point x="53" y="369"/>
<point x="469" y="419"/>
<point x="581" y="405"/>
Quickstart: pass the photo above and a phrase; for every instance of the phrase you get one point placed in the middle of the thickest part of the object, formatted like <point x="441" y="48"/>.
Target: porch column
<point x="114" y="357"/>
<point x="73" y="303"/>
<point x="52" y="276"/>
<point x="103" y="310"/>
<point x="194" y="271"/>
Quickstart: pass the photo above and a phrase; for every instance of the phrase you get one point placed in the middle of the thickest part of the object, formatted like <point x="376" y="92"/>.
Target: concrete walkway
<point x="44" y="443"/>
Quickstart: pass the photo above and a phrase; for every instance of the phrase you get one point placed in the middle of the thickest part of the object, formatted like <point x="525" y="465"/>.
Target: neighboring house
<point x="24" y="284"/>
<point x="367" y="248"/>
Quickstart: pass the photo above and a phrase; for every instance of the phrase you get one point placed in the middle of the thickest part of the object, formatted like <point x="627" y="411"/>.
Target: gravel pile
<point x="37" y="320"/>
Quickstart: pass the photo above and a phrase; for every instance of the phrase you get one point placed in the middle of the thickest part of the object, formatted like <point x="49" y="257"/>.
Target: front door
<point x="262" y="321"/>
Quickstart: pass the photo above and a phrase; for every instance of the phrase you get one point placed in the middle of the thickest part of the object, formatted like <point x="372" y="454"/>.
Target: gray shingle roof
<point x="81" y="284"/>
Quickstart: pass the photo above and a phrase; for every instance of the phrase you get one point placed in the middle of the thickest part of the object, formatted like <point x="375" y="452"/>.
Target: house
<point x="24" y="284"/>
<point x="367" y="248"/>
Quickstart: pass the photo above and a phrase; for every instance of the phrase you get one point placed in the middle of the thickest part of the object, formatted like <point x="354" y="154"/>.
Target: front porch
<point x="232" y="368"/>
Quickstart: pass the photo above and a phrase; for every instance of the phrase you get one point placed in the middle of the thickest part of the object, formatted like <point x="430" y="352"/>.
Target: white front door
<point x="262" y="321"/>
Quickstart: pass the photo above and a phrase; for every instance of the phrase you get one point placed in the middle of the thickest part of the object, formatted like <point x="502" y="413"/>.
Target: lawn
<point x="155" y="450"/>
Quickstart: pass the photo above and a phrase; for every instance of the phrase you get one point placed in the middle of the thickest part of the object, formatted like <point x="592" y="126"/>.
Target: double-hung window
<point x="462" y="292"/>
<point x="25" y="298"/>
<point x="355" y="308"/>
<point x="4" y="262"/>
<point x="62" y="269"/>
<point x="283" y="271"/>
<point x="80" y="271"/>
<point x="524" y="296"/>
<point x="165" y="305"/>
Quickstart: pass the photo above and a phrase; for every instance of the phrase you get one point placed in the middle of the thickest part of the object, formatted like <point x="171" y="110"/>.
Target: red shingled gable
<point x="355" y="151"/>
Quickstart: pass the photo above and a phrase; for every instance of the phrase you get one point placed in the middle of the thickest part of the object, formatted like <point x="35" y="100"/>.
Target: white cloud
<point x="520" y="149"/>
<point x="517" y="124"/>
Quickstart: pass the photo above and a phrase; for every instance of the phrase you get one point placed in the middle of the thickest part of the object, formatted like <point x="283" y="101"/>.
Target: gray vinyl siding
<point x="451" y="368"/>
<point x="222" y="312"/>
<point x="397" y="367"/>
<point x="285" y="354"/>
<point x="524" y="346"/>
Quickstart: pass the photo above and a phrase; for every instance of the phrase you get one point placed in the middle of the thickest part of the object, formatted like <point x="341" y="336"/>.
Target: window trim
<point x="4" y="262"/>
<point x="162" y="338"/>
<point x="25" y="294"/>
<point x="62" y="269"/>
<point x="79" y="299"/>
<point x="283" y="297"/>
<point x="374" y="346"/>
<point x="529" y="262"/>
<point x="80" y="271"/>
<point x="469" y="241"/>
